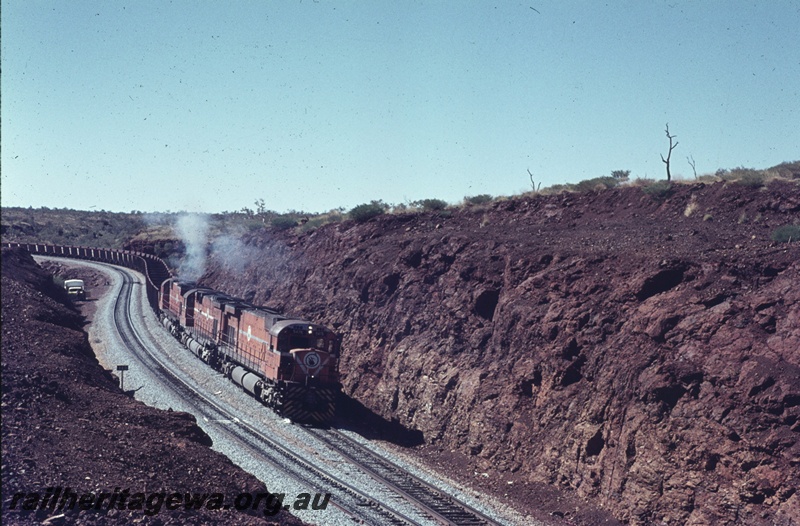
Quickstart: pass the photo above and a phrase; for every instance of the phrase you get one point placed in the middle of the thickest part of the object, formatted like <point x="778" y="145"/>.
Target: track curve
<point x="348" y="498"/>
<point x="432" y="506"/>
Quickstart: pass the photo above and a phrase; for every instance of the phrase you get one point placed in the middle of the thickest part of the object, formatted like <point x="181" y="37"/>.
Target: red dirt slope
<point x="643" y="355"/>
<point x="66" y="424"/>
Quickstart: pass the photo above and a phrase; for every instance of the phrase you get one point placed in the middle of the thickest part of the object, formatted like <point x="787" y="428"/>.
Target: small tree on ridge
<point x="671" y="147"/>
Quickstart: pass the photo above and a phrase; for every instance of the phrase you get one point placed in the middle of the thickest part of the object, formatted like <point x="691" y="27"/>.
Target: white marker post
<point x="122" y="369"/>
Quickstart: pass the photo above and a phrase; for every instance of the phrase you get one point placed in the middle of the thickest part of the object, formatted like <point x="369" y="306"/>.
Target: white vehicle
<point x="74" y="288"/>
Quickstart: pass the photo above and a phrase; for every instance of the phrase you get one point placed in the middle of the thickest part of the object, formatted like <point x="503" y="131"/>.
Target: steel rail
<point x="441" y="509"/>
<point x="444" y="508"/>
<point x="356" y="504"/>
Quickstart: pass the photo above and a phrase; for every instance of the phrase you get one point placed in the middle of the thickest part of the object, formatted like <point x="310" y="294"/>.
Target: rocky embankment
<point x="641" y="354"/>
<point x="66" y="424"/>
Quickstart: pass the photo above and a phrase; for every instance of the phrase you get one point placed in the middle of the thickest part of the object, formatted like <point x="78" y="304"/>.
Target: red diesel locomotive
<point x="291" y="365"/>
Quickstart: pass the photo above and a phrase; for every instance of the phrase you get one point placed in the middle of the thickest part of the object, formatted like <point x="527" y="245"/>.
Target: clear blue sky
<point x="318" y="104"/>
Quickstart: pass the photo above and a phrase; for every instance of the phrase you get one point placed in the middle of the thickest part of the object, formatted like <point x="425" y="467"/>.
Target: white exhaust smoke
<point x="233" y="254"/>
<point x="192" y="229"/>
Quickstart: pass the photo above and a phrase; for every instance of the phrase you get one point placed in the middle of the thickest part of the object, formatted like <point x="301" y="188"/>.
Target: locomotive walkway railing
<point x="153" y="267"/>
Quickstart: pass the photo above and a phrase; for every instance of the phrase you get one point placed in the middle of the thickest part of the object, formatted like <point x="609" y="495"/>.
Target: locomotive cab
<point x="309" y="352"/>
<point x="308" y="370"/>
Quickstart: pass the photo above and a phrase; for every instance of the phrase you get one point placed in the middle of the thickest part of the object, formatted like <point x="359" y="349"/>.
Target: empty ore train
<point x="292" y="365"/>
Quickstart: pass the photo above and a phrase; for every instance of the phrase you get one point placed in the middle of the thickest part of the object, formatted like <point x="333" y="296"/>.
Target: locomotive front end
<point x="309" y="370"/>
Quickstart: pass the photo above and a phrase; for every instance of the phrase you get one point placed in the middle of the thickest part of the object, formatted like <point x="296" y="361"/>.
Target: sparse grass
<point x="786" y="234"/>
<point x="597" y="183"/>
<point x="313" y="223"/>
<point x="478" y="199"/>
<point x="643" y="182"/>
<point x="70" y="227"/>
<point x="788" y="170"/>
<point x="143" y="230"/>
<point x="660" y="191"/>
<point x="557" y="189"/>
<point x="283" y="222"/>
<point x="155" y="233"/>
<point x="746" y="176"/>
<point x="707" y="178"/>
<point x="430" y="205"/>
<point x="587" y="185"/>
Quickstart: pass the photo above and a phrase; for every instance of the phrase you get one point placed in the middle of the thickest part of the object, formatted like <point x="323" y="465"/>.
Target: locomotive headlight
<point x="310" y="329"/>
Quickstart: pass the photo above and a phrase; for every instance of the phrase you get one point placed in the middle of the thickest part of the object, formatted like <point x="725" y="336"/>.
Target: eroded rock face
<point x="626" y="349"/>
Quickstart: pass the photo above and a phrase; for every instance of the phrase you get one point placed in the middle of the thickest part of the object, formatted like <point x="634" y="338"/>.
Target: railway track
<point x="346" y="497"/>
<point x="389" y="505"/>
<point x="443" y="509"/>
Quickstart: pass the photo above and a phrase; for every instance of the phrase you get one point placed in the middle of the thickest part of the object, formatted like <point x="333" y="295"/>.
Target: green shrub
<point x="739" y="172"/>
<point x="367" y="211"/>
<point x="313" y="223"/>
<point x="478" y="199"/>
<point x="430" y="205"/>
<point x="746" y="176"/>
<point x="622" y="175"/>
<point x="787" y="170"/>
<point x="592" y="184"/>
<point x="283" y="223"/>
<point x="786" y="234"/>
<point x="752" y="179"/>
<point x="58" y="281"/>
<point x="660" y="190"/>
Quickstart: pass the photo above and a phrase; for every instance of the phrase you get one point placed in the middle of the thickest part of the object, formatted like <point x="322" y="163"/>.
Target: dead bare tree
<point x="669" y="154"/>
<point x="691" y="162"/>
<point x="533" y="185"/>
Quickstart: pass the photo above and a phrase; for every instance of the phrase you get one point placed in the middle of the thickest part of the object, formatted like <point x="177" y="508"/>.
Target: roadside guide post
<point x="122" y="369"/>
